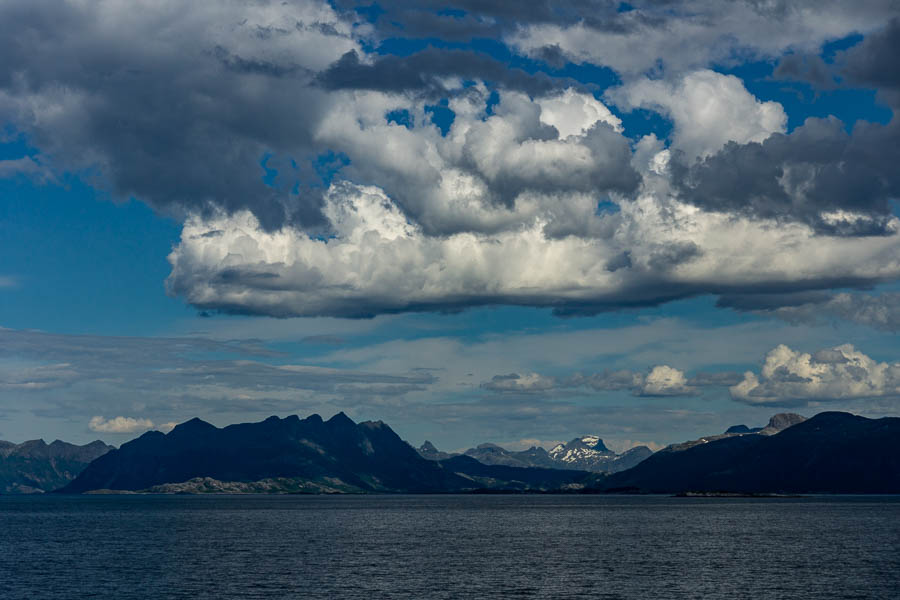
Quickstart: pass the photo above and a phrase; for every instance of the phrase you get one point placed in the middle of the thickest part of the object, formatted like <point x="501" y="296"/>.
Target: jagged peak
<point x="782" y="421"/>
<point x="40" y="443"/>
<point x="489" y="446"/>
<point x="593" y="442"/>
<point x="193" y="425"/>
<point x="428" y="446"/>
<point x="340" y="419"/>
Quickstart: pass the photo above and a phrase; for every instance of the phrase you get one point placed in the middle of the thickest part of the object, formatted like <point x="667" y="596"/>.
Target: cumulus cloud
<point x="119" y="424"/>
<point x="378" y="261"/>
<point x="533" y="195"/>
<point x="840" y="373"/>
<point x="665" y="381"/>
<point x="493" y="170"/>
<point x="838" y="183"/>
<point x="708" y="110"/>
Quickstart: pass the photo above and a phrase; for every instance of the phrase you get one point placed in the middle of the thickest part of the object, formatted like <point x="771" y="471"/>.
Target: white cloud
<point x="708" y="110"/>
<point x="490" y="173"/>
<point x="377" y="261"/>
<point x="573" y="113"/>
<point x="838" y="373"/>
<point x="663" y="380"/>
<point x="119" y="424"/>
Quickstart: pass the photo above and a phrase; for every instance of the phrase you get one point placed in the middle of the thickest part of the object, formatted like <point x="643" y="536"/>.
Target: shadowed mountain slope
<point x="832" y="452"/>
<point x="292" y="455"/>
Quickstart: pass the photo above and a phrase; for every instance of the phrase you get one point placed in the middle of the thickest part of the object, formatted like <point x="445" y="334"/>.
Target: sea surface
<point x="426" y="547"/>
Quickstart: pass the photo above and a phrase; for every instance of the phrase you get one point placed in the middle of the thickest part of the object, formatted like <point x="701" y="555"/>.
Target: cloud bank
<point x="319" y="173"/>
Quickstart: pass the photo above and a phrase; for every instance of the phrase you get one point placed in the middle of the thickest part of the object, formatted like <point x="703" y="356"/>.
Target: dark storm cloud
<point x="819" y="168"/>
<point x="764" y="301"/>
<point x="873" y="62"/>
<point x="159" y="108"/>
<point x="466" y="19"/>
<point x="424" y="71"/>
<point x="879" y="311"/>
<point x="719" y="379"/>
<point x="805" y="67"/>
<point x="805" y="176"/>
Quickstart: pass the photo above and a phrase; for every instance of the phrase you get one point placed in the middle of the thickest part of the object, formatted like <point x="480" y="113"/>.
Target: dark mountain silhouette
<point x="833" y="452"/>
<point x="290" y="455"/>
<point x="35" y="466"/>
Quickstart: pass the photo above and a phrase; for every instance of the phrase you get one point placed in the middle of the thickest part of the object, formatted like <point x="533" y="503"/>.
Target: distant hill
<point x="586" y="453"/>
<point x="832" y="452"/>
<point x="514" y="478"/>
<point x="293" y="455"/>
<point x="35" y="466"/>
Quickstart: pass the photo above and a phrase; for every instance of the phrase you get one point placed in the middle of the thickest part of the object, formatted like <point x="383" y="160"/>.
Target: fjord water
<point x="448" y="547"/>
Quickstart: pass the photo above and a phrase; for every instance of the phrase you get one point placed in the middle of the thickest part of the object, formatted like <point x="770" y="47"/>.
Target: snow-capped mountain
<point x="589" y="447"/>
<point x="585" y="453"/>
<point x="589" y="453"/>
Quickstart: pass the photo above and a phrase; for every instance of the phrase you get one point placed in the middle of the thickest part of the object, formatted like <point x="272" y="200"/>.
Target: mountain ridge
<point x="35" y="466"/>
<point x="584" y="453"/>
<point x="832" y="452"/>
<point x="297" y="455"/>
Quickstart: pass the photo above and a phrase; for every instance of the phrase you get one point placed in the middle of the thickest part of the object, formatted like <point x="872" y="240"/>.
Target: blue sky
<point x="593" y="243"/>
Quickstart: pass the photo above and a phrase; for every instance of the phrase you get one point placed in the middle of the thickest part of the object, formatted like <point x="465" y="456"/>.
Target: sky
<point x="474" y="220"/>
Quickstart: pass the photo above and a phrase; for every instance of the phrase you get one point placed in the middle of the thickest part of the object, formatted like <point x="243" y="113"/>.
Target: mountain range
<point x="832" y="452"/>
<point x="585" y="453"/>
<point x="36" y="466"/>
<point x="294" y="455"/>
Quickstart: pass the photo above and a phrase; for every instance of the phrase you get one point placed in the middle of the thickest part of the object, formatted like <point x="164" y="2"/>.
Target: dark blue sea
<point x="427" y="547"/>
